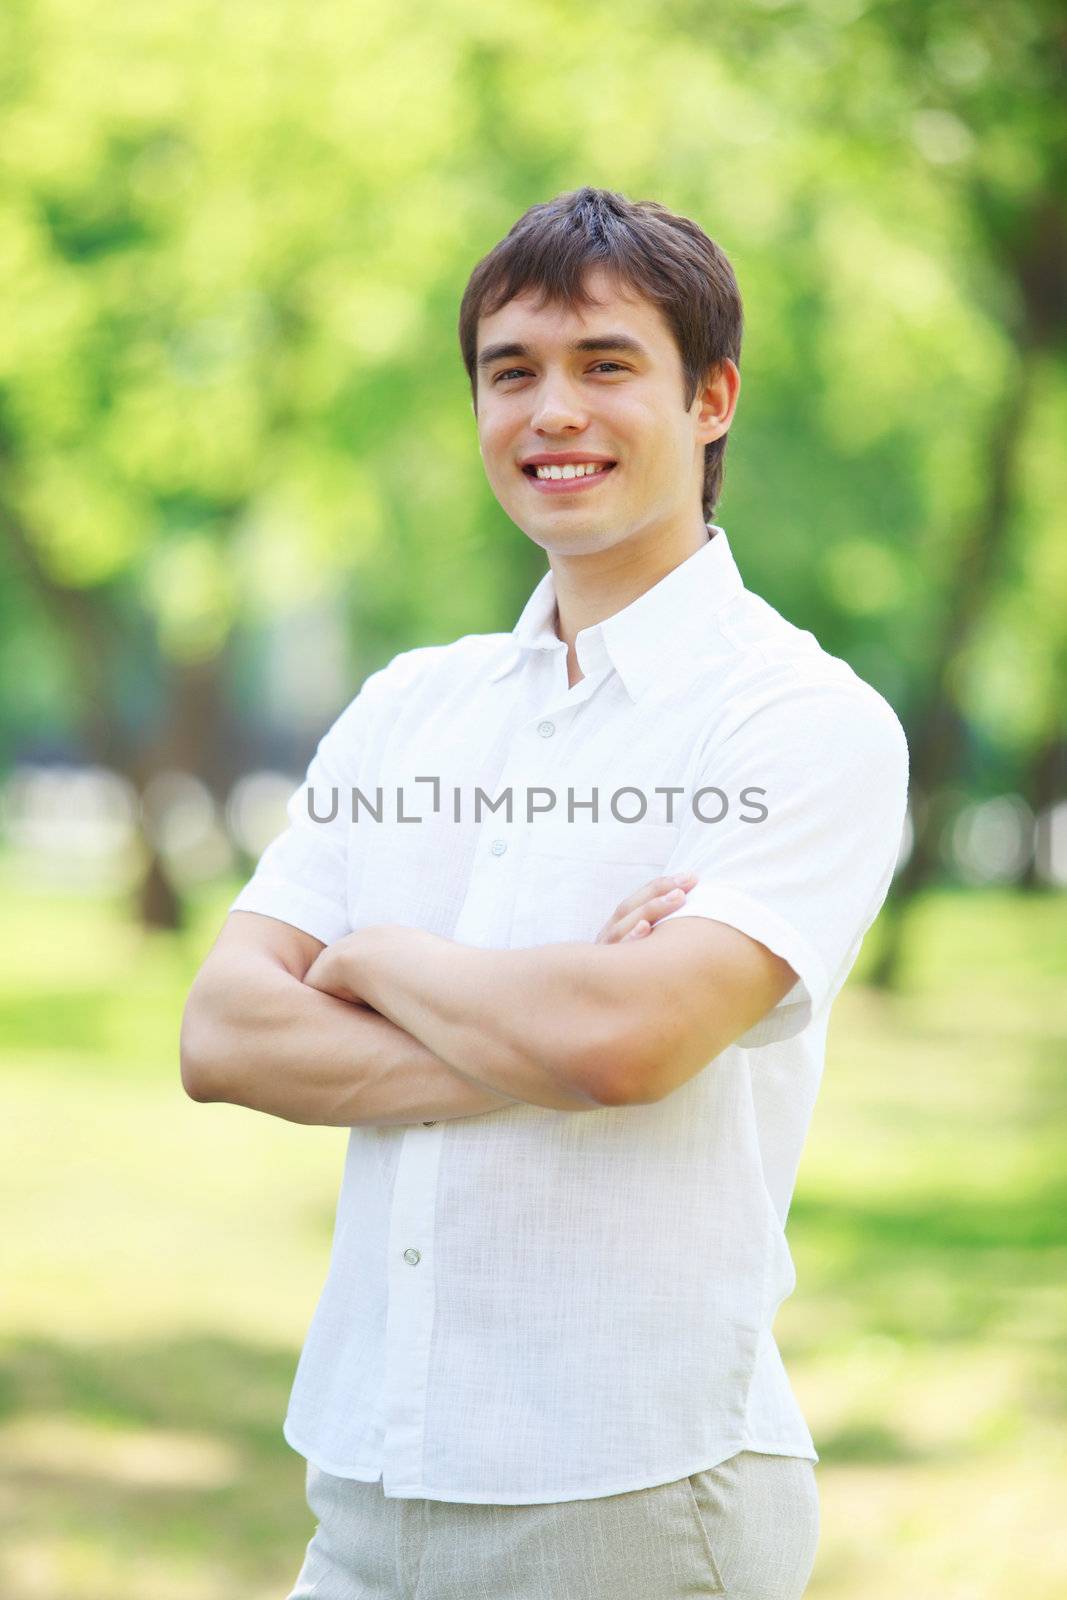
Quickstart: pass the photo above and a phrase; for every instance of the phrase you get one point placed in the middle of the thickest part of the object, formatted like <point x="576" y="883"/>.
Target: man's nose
<point x="558" y="408"/>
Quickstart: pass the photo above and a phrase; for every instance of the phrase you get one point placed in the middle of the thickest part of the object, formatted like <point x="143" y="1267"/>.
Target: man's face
<point x="615" y="404"/>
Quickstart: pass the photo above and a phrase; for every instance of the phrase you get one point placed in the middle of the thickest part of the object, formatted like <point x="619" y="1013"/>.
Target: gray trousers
<point x="746" y="1529"/>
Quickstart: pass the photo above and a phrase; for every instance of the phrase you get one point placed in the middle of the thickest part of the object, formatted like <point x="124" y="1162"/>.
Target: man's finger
<point x="621" y="927"/>
<point x="652" y="890"/>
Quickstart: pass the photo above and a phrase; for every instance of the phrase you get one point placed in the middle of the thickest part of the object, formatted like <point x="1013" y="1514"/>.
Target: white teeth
<point x="583" y="469"/>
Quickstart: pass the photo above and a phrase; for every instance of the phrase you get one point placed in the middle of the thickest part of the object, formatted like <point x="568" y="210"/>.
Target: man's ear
<point x="717" y="400"/>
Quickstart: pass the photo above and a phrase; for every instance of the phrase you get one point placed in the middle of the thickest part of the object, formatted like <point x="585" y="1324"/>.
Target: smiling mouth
<point x="563" y="480"/>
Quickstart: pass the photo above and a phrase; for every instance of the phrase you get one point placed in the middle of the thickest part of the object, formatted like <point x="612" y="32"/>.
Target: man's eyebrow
<point x="621" y="343"/>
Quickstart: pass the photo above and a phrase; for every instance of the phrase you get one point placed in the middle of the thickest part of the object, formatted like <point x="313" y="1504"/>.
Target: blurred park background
<point x="238" y="472"/>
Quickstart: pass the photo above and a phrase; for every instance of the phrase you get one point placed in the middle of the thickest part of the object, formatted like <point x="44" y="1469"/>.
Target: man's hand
<point x="334" y="969"/>
<point x="634" y="916"/>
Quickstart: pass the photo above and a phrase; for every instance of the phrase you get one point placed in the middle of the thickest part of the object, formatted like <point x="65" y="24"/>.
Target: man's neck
<point x="590" y="588"/>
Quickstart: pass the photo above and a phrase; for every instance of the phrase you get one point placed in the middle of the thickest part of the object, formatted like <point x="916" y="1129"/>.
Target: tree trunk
<point x="937" y="742"/>
<point x="194" y="708"/>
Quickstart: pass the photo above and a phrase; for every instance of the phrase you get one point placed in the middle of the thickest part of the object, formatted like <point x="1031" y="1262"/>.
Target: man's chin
<point x="572" y="535"/>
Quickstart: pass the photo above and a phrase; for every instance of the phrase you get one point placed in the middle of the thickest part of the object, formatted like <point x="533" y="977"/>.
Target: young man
<point x="542" y="1364"/>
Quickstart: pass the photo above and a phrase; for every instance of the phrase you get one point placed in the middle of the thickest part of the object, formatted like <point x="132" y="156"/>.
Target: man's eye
<point x="520" y="372"/>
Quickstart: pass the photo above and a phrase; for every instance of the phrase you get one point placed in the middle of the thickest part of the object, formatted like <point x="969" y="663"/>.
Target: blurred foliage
<point x="232" y="246"/>
<point x="156" y="1299"/>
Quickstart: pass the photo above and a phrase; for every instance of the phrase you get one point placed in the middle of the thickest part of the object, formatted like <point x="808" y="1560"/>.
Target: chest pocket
<point x="572" y="877"/>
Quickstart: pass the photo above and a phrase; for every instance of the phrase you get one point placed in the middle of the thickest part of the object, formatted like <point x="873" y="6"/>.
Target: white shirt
<point x="533" y="1304"/>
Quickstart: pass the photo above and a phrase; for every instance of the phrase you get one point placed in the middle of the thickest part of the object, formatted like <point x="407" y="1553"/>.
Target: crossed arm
<point x="397" y="1025"/>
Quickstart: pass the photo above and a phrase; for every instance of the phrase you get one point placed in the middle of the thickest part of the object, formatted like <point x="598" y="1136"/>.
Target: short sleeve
<point x="302" y="875"/>
<point x="821" y="775"/>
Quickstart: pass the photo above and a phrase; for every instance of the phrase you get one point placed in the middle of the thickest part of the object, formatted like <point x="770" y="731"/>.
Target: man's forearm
<point x="544" y="1025"/>
<point x="293" y="1052"/>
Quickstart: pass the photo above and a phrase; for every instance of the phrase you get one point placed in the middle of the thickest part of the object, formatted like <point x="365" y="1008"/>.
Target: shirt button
<point x="546" y="729"/>
<point x="413" y="1256"/>
<point x="498" y="846"/>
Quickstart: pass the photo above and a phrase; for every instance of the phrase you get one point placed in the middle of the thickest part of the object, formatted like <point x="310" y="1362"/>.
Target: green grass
<point x="162" y="1260"/>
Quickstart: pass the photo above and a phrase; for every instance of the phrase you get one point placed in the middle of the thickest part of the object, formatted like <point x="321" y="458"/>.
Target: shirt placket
<point x="532" y="762"/>
<point x="411" y="1265"/>
<point x="410" y="1310"/>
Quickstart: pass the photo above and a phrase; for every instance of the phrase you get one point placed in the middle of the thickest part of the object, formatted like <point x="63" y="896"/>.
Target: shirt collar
<point x="662" y="626"/>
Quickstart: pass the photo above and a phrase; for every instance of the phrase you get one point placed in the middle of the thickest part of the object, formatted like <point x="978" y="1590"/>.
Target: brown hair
<point x="665" y="257"/>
